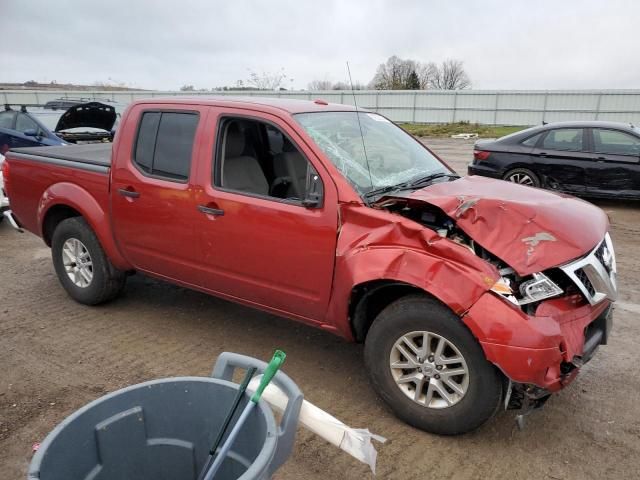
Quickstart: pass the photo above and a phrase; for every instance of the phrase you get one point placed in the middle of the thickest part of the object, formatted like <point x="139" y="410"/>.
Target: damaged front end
<point x="550" y="307"/>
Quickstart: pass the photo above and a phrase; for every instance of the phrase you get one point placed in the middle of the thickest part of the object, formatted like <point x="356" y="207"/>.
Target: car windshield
<point x="392" y="157"/>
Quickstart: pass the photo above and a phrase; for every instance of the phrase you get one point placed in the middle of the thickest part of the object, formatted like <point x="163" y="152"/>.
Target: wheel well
<point x="369" y="299"/>
<point x="53" y="217"/>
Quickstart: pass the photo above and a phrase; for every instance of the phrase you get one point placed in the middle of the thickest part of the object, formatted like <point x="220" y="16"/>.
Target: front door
<point x="259" y="242"/>
<point x="615" y="166"/>
<point x="152" y="199"/>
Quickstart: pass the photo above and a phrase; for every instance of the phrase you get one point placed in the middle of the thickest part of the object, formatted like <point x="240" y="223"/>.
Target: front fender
<point x="400" y="250"/>
<point x="73" y="196"/>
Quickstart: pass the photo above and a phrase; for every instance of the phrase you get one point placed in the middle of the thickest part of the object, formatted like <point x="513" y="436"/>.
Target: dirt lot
<point x="56" y="355"/>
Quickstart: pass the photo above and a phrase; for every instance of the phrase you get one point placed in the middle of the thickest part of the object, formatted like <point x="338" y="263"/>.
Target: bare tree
<point x="450" y="75"/>
<point x="320" y="85"/>
<point x="399" y="74"/>
<point x="187" y="88"/>
<point x="426" y="73"/>
<point x="394" y="74"/>
<point x="267" y="80"/>
<point x="347" y="86"/>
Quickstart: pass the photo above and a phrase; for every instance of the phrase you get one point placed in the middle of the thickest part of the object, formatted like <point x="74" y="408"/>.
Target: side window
<point x="615" y="142"/>
<point x="568" y="139"/>
<point x="257" y="158"/>
<point x="24" y="123"/>
<point x="531" y="141"/>
<point x="164" y="144"/>
<point x="6" y="119"/>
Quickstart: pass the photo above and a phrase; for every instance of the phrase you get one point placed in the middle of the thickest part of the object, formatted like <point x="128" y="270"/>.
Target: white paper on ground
<point x="355" y="441"/>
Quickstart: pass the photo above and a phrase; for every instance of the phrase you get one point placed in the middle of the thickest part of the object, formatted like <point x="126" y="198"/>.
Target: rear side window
<point x="531" y="141"/>
<point x="165" y="143"/>
<point x="569" y="139"/>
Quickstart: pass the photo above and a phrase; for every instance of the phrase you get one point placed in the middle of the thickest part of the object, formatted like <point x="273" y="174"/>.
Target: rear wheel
<point x="430" y="369"/>
<point x="523" y="176"/>
<point x="81" y="264"/>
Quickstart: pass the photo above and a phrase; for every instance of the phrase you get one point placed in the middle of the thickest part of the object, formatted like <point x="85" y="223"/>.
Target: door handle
<point x="601" y="159"/>
<point x="543" y="154"/>
<point x="128" y="193"/>
<point x="216" y="212"/>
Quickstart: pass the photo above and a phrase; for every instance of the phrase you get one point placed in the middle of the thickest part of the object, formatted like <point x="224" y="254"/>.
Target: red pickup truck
<point x="468" y="293"/>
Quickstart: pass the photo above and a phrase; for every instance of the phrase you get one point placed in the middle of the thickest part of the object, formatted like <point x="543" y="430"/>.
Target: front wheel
<point x="429" y="368"/>
<point x="82" y="265"/>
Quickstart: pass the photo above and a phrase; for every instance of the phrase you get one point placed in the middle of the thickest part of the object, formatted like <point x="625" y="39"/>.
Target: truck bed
<point x="93" y="154"/>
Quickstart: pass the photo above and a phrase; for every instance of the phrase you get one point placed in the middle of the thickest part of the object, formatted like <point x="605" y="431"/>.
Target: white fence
<point x="494" y="107"/>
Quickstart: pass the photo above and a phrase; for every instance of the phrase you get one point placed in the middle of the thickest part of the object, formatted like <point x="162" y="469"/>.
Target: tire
<point x="482" y="389"/>
<point x="522" y="176"/>
<point x="94" y="281"/>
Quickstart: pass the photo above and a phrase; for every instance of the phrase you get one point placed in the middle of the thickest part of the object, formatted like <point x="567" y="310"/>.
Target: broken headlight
<point x="537" y="287"/>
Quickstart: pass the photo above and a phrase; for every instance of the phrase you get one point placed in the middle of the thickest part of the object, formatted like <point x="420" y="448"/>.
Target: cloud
<point x="165" y="44"/>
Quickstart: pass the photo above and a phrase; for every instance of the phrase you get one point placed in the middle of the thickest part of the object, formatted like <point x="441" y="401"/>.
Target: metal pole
<point x="415" y="98"/>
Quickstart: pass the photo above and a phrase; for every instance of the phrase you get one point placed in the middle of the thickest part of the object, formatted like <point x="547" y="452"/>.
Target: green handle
<point x="273" y="367"/>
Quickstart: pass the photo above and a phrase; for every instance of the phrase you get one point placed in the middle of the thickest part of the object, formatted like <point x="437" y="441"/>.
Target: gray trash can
<point x="163" y="429"/>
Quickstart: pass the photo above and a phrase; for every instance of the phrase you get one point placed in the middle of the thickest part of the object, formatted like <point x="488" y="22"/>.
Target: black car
<point x="591" y="159"/>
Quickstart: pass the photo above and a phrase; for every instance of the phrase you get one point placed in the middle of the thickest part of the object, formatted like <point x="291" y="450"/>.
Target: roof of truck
<point x="285" y="104"/>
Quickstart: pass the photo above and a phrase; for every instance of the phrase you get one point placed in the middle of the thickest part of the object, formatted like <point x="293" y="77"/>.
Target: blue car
<point x="86" y="122"/>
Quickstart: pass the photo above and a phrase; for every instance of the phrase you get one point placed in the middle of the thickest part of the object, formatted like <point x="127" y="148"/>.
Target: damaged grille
<point x="584" y="280"/>
<point x="595" y="274"/>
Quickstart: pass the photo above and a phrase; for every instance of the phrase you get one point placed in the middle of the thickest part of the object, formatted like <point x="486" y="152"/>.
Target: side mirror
<point x="31" y="132"/>
<point x="315" y="191"/>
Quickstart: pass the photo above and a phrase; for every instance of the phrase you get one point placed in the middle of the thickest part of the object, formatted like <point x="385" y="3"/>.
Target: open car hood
<point x="528" y="228"/>
<point x="91" y="114"/>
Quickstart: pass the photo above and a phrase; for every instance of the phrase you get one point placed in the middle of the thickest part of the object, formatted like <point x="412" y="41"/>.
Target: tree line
<point x="394" y="74"/>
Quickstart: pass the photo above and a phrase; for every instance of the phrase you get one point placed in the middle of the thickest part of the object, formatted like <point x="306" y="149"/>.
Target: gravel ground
<point x="57" y="355"/>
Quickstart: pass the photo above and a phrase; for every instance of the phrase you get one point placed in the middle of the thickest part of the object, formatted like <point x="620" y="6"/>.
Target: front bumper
<point x="546" y="349"/>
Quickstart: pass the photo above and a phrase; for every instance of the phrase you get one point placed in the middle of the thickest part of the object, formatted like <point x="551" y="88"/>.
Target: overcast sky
<point x="164" y="44"/>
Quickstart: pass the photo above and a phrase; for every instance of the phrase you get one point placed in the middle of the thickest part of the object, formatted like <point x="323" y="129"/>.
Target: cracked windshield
<point x="393" y="157"/>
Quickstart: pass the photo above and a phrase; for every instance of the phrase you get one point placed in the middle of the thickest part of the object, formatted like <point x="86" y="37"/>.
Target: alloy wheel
<point x="77" y="262"/>
<point x="429" y="369"/>
<point x="522" y="179"/>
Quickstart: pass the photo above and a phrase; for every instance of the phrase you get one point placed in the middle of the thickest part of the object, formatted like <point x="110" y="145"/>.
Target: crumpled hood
<point x="91" y="114"/>
<point x="528" y="228"/>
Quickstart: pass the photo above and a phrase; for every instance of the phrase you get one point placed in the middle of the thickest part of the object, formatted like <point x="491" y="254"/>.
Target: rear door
<point x="615" y="166"/>
<point x="258" y="242"/>
<point x="561" y="157"/>
<point x="152" y="199"/>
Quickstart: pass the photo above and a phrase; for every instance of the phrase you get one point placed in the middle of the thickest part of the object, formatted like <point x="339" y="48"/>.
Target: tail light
<point x="481" y="155"/>
<point x="5" y="175"/>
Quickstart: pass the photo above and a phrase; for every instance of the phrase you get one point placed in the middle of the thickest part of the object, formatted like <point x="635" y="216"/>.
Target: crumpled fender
<point x="378" y="245"/>
<point x="76" y="197"/>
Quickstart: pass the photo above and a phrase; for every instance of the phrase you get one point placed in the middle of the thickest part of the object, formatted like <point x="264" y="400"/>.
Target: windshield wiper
<point x="380" y="191"/>
<point x="427" y="179"/>
<point x="407" y="185"/>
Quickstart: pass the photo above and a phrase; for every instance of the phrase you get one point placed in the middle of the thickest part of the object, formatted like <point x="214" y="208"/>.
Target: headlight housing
<point x="534" y="289"/>
<point x="540" y="287"/>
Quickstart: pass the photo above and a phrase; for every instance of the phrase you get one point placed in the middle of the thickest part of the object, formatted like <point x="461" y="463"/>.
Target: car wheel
<point x="429" y="369"/>
<point x="523" y="176"/>
<point x="81" y="264"/>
